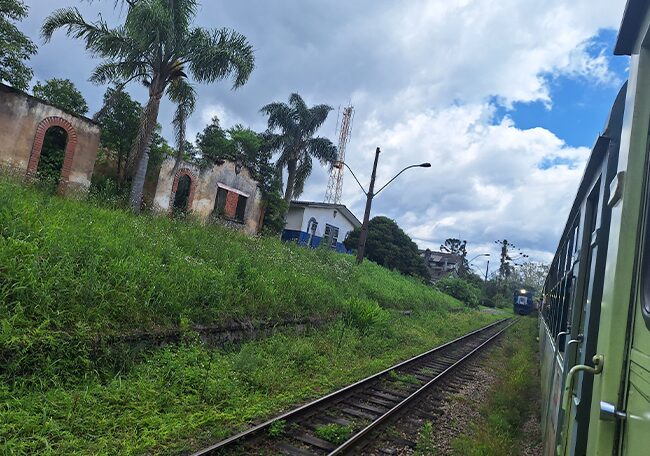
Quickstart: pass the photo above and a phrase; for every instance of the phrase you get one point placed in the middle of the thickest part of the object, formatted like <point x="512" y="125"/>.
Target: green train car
<point x="595" y="315"/>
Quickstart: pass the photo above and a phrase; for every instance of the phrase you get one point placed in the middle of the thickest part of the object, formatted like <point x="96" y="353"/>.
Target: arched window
<point x="53" y="150"/>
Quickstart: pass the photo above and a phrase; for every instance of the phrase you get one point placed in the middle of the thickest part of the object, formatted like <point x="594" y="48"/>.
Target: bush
<point x="460" y="289"/>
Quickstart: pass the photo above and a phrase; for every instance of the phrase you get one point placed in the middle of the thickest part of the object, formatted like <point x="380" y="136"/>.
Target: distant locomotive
<point x="522" y="302"/>
<point x="595" y="314"/>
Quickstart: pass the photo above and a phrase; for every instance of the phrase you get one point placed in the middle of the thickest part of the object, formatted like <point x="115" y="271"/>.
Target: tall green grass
<point x="72" y="273"/>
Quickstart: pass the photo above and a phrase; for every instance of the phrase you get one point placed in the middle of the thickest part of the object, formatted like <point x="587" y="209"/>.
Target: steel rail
<point x="237" y="438"/>
<point x="359" y="436"/>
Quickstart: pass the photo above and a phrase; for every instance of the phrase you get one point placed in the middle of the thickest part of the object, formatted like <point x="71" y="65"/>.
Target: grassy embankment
<point x="72" y="275"/>
<point x="512" y="400"/>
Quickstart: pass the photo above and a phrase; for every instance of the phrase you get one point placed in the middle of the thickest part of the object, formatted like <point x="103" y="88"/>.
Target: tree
<point x="63" y="94"/>
<point x="531" y="275"/>
<point x="15" y="47"/>
<point x="251" y="149"/>
<point x="297" y="124"/>
<point x="119" y="127"/>
<point x="156" y="45"/>
<point x="460" y="289"/>
<point x="459" y="248"/>
<point x="391" y="247"/>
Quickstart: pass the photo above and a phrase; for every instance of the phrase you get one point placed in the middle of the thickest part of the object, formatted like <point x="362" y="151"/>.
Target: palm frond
<point x="219" y="54"/>
<point x="183" y="94"/>
<point x="302" y="173"/>
<point x="108" y="72"/>
<point x="322" y="149"/>
<point x="98" y="37"/>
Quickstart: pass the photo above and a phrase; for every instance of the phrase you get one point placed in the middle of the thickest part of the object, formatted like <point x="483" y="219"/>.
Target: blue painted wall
<point x="301" y="238"/>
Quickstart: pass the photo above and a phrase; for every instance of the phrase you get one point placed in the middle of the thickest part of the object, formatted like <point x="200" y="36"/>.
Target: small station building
<point x="310" y="224"/>
<point x="28" y="123"/>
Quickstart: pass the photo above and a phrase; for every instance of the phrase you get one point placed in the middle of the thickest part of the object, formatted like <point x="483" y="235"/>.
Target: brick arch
<point x="190" y="198"/>
<point x="70" y="146"/>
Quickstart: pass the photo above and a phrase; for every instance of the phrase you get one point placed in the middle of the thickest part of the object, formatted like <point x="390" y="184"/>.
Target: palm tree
<point x="156" y="45"/>
<point x="295" y="141"/>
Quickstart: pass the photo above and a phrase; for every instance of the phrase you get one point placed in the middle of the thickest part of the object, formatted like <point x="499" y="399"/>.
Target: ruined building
<point x="227" y="192"/>
<point x="36" y="137"/>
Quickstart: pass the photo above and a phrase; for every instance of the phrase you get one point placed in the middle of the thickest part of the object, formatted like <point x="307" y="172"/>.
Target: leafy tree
<point x="252" y="150"/>
<point x="459" y="248"/>
<point x="156" y="45"/>
<point x="297" y="124"/>
<point x="391" y="247"/>
<point x="119" y="127"/>
<point x="15" y="47"/>
<point x="460" y="289"/>
<point x="531" y="275"/>
<point x="63" y="94"/>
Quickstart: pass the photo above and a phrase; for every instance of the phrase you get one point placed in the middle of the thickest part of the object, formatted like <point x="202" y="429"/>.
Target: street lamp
<point x="370" y="194"/>
<point x="479" y="255"/>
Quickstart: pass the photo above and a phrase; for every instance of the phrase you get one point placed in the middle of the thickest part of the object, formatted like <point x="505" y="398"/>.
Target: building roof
<point x="438" y="256"/>
<point x="628" y="33"/>
<point x="340" y="207"/>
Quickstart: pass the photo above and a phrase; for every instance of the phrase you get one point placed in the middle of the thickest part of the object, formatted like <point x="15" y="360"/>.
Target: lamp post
<point x="479" y="255"/>
<point x="370" y="194"/>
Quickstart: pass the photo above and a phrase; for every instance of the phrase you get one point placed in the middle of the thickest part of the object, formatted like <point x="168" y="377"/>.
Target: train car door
<point x="634" y="417"/>
<point x="586" y="314"/>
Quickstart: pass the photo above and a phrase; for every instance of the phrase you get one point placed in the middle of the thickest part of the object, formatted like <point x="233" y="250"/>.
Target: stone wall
<point x="205" y="183"/>
<point x="24" y="120"/>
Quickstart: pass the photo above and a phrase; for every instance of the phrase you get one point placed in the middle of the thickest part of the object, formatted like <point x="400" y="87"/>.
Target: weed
<point x="403" y="378"/>
<point x="510" y="400"/>
<point x="334" y="433"/>
<point x="277" y="429"/>
<point x="425" y="445"/>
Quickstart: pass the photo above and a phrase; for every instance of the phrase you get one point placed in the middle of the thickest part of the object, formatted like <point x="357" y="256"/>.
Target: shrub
<point x="460" y="289"/>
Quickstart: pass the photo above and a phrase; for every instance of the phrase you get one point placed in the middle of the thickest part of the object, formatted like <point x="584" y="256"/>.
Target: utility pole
<point x="363" y="235"/>
<point x="486" y="270"/>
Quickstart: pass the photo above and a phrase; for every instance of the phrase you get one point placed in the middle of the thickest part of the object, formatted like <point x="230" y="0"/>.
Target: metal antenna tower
<point x="335" y="183"/>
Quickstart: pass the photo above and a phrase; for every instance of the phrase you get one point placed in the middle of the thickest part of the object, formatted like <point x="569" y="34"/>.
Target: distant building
<point x="225" y="191"/>
<point x="440" y="264"/>
<point x="310" y="224"/>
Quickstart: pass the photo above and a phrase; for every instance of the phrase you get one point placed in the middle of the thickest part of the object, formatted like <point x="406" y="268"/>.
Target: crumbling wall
<point x="203" y="194"/>
<point x="24" y="120"/>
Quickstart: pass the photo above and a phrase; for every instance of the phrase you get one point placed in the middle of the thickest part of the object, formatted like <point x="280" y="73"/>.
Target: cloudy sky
<point x="504" y="98"/>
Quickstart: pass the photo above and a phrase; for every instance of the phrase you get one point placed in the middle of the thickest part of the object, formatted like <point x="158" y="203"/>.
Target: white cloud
<point x="425" y="77"/>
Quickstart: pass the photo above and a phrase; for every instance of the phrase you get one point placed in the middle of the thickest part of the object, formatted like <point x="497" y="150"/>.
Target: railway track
<point x="351" y="415"/>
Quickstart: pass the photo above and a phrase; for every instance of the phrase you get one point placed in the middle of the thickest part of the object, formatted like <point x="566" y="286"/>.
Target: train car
<point x="522" y="302"/>
<point x="595" y="314"/>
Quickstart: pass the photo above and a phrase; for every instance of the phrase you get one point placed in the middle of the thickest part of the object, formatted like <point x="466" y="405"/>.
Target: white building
<point x="311" y="223"/>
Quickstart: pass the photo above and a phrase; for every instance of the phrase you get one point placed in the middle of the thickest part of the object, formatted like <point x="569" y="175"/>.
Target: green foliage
<point x="63" y="94"/>
<point x="243" y="145"/>
<point x="278" y="428"/>
<point x="120" y="123"/>
<point x="390" y="247"/>
<point x="425" y="446"/>
<point x="178" y="399"/>
<point x="157" y="46"/>
<point x="16" y="47"/>
<point x="460" y="289"/>
<point x="50" y="162"/>
<point x="291" y="130"/>
<point x="511" y="401"/>
<point x="71" y="272"/>
<point x="364" y="315"/>
<point x="334" y="433"/>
